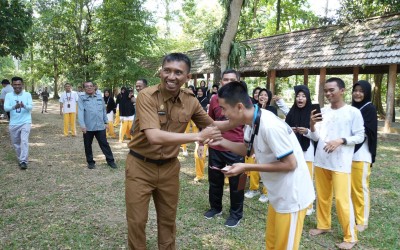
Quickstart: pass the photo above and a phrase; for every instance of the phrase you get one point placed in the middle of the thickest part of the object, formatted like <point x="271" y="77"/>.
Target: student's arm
<point x="239" y="148"/>
<point x="8" y="103"/>
<point x="281" y="104"/>
<point x="285" y="164"/>
<point x="29" y="104"/>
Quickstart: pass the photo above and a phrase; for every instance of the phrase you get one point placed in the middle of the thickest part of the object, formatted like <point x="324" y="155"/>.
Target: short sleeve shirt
<point x="157" y="109"/>
<point x="69" y="101"/>
<point x="287" y="191"/>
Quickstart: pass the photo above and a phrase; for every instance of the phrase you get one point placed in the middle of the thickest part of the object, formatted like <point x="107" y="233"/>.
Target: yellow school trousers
<point x="360" y="172"/>
<point x="69" y="122"/>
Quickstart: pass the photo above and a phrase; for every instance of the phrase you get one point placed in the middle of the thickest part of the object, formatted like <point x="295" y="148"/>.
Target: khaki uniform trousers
<point x="360" y="195"/>
<point x="143" y="180"/>
<point x="328" y="182"/>
<point x="283" y="231"/>
<point x="69" y="122"/>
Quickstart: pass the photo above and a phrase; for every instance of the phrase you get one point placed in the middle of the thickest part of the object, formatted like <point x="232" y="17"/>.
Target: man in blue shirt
<point x="92" y="118"/>
<point x="19" y="104"/>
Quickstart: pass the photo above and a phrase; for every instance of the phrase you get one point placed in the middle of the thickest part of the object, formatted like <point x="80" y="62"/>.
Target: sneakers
<point x="232" y="222"/>
<point x="23" y="165"/>
<point x="251" y="193"/>
<point x="263" y="198"/>
<point x="185" y="153"/>
<point x="112" y="165"/>
<point x="212" y="213"/>
<point x="197" y="179"/>
<point x="91" y="166"/>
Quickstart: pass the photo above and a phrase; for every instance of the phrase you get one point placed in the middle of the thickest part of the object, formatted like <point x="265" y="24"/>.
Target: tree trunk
<point x="230" y="32"/>
<point x="278" y="15"/>
<point x="376" y="95"/>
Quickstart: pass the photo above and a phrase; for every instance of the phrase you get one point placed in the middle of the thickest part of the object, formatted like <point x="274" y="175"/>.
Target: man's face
<point x="17" y="85"/>
<point x="45" y="89"/>
<point x="67" y="88"/>
<point x="139" y="86"/>
<point x="227" y="78"/>
<point x="173" y="75"/>
<point x="333" y="93"/>
<point x="89" y="88"/>
<point x="230" y="112"/>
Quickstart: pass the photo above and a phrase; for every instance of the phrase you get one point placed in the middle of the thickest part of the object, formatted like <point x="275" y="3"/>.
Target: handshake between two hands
<point x="211" y="135"/>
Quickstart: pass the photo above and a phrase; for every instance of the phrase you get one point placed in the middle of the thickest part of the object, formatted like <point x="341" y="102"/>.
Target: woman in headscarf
<point x="110" y="109"/>
<point x="254" y="98"/>
<point x="364" y="154"/>
<point x="264" y="101"/>
<point x="126" y="114"/>
<point x="298" y="119"/>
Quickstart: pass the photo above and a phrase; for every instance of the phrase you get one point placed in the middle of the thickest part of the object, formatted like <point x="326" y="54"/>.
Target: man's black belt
<point x="145" y="159"/>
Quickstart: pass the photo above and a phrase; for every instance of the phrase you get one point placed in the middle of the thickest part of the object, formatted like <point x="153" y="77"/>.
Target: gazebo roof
<point x="371" y="43"/>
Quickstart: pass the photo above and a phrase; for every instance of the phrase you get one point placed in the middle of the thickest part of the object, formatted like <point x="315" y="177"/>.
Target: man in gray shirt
<point x="92" y="119"/>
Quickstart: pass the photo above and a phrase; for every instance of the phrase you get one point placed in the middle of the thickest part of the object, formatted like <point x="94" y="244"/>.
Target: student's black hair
<point x="5" y="81"/>
<point x="215" y="86"/>
<point x="339" y="82"/>
<point x="144" y="81"/>
<point x="228" y="71"/>
<point x="234" y="93"/>
<point x="16" y="78"/>
<point x="255" y="89"/>
<point x="180" y="57"/>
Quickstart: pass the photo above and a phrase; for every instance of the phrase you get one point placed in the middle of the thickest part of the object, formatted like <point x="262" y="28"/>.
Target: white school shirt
<point x="363" y="153"/>
<point x="345" y="122"/>
<point x="70" y="98"/>
<point x="287" y="191"/>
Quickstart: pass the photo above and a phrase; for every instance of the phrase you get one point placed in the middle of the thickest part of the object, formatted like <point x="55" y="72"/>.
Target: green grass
<point x="59" y="204"/>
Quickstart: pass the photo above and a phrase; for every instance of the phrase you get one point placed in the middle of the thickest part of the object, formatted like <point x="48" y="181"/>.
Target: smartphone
<point x="215" y="168"/>
<point x="316" y="107"/>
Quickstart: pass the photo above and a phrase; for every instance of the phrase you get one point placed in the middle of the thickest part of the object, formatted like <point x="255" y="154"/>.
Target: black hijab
<point x="109" y="101"/>
<point x="368" y="112"/>
<point x="204" y="99"/>
<point x="300" y="117"/>
<point x="268" y="106"/>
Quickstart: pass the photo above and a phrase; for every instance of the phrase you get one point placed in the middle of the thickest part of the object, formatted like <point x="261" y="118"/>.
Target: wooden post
<point x="208" y="81"/>
<point x="356" y="71"/>
<point x="322" y="79"/>
<point x="390" y="97"/>
<point x="268" y="83"/>
<point x="306" y="77"/>
<point x="272" y="81"/>
<point x="195" y="81"/>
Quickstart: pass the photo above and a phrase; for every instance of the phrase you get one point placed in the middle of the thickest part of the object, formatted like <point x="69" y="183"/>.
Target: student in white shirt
<point x="68" y="101"/>
<point x="341" y="128"/>
<point x="280" y="162"/>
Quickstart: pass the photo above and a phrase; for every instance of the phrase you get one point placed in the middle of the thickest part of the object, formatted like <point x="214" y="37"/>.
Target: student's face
<point x="67" y="88"/>
<point x="233" y="113"/>
<point x="263" y="97"/>
<point x="215" y="90"/>
<point x="89" y="88"/>
<point x="106" y="94"/>
<point x="200" y="93"/>
<point x="358" y="94"/>
<point x="173" y="75"/>
<point x="227" y="78"/>
<point x="18" y="86"/>
<point x="255" y="95"/>
<point x="139" y="86"/>
<point x="301" y="99"/>
<point x="202" y="84"/>
<point x="333" y="93"/>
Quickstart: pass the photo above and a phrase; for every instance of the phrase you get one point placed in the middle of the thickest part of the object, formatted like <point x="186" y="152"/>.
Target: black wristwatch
<point x="344" y="141"/>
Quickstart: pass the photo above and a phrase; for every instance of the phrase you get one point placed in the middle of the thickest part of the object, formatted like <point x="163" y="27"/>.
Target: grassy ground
<point x="60" y="204"/>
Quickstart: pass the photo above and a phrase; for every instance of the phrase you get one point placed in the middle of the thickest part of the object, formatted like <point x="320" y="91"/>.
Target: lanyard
<point x="254" y="129"/>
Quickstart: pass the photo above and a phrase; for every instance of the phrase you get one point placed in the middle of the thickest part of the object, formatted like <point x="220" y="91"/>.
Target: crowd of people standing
<point x="333" y="147"/>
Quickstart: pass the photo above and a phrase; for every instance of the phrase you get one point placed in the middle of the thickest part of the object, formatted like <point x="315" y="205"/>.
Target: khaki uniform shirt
<point x="157" y="109"/>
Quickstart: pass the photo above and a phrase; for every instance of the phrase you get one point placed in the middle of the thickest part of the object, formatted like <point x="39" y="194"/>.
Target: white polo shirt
<point x="70" y="98"/>
<point x="287" y="191"/>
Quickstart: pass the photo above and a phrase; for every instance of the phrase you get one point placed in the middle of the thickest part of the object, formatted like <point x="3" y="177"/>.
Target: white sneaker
<point x="310" y="211"/>
<point x="251" y="193"/>
<point x="185" y="153"/>
<point x="263" y="198"/>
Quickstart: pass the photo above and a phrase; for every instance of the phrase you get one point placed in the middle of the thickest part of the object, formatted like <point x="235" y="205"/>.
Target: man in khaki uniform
<point x="152" y="167"/>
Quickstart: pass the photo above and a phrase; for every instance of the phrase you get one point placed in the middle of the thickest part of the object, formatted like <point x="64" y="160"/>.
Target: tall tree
<point x="15" y="22"/>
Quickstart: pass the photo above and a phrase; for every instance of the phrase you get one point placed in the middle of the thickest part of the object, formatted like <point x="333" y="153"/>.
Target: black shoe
<point x="112" y="164"/>
<point x="232" y="222"/>
<point x="211" y="213"/>
<point x="91" y="166"/>
<point x="42" y="111"/>
<point x="23" y="165"/>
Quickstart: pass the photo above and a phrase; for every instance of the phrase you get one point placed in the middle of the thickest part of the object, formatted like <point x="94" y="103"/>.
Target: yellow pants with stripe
<point x="360" y="195"/>
<point x="125" y="130"/>
<point x="200" y="161"/>
<point x="192" y="125"/>
<point x="111" y="132"/>
<point x="284" y="230"/>
<point x="117" y="119"/>
<point x="254" y="177"/>
<point x="328" y="182"/>
<point x="69" y="122"/>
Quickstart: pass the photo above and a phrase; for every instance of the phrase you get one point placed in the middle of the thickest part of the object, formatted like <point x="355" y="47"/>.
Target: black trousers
<point x="102" y="140"/>
<point x="216" y="178"/>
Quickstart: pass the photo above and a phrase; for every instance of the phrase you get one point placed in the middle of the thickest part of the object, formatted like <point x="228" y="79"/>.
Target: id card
<point x="68" y="105"/>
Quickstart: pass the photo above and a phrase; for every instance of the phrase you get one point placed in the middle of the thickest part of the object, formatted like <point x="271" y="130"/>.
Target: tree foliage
<point x="15" y="22"/>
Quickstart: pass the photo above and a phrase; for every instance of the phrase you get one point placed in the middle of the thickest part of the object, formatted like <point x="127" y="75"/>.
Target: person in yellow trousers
<point x="68" y="107"/>
<point x="255" y="183"/>
<point x="119" y="96"/>
<point x="127" y="114"/>
<point x="199" y="159"/>
<point x="110" y="109"/>
<point x="190" y="128"/>
<point x="364" y="154"/>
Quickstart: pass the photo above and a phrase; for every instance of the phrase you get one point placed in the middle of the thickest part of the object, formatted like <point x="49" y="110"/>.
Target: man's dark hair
<point x="67" y="83"/>
<point x="16" y="78"/>
<point x="144" y="81"/>
<point x="339" y="82"/>
<point x="180" y="57"/>
<point x="5" y="81"/>
<point x="228" y="71"/>
<point x="215" y="86"/>
<point x="234" y="93"/>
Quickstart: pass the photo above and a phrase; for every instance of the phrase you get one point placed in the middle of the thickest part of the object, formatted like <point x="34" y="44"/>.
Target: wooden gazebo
<point x="371" y="46"/>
